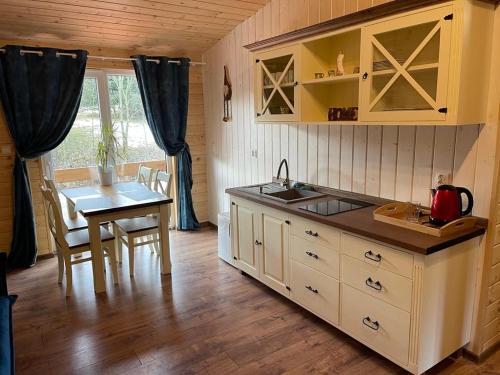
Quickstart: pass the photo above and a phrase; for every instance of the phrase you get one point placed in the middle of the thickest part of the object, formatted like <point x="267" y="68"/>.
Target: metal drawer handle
<point x="258" y="242"/>
<point x="311" y="233"/>
<point x="308" y="287"/>
<point x="370" y="324"/>
<point x="375" y="285"/>
<point x="315" y="256"/>
<point x="370" y="255"/>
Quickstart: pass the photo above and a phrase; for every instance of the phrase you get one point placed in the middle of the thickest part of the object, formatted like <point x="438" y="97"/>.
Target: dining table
<point x="122" y="200"/>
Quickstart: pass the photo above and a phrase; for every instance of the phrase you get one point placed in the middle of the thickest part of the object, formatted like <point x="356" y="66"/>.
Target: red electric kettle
<point x="447" y="204"/>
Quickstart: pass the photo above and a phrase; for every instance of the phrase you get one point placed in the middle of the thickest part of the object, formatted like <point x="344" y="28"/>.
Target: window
<point x="107" y="97"/>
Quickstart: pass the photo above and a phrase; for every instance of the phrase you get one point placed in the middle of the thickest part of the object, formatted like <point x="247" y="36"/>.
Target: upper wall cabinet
<point x="427" y="66"/>
<point x="277" y="87"/>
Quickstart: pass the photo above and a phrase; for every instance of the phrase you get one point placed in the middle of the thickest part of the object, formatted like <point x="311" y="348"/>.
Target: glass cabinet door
<point x="277" y="86"/>
<point x="405" y="67"/>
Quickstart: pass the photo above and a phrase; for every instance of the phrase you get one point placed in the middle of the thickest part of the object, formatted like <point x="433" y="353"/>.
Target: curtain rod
<point x="40" y="53"/>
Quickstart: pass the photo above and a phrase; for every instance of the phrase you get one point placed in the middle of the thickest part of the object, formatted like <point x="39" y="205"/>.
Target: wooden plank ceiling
<point x="189" y="26"/>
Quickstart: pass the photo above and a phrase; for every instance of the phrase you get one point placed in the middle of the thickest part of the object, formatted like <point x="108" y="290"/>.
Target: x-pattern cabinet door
<point x="405" y="67"/>
<point x="277" y="88"/>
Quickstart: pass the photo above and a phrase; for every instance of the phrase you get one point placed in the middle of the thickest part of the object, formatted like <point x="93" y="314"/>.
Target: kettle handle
<point x="470" y="200"/>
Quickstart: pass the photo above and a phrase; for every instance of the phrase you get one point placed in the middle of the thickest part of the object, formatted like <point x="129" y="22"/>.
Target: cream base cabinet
<point x="260" y="241"/>
<point x="413" y="309"/>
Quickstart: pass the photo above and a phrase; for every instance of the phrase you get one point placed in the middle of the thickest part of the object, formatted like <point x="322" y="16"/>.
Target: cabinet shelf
<point x="332" y="80"/>
<point x="291" y="84"/>
<point x="414" y="68"/>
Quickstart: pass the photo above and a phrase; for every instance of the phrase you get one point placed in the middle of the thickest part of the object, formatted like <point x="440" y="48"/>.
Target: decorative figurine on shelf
<point x="228" y="93"/>
<point x="340" y="63"/>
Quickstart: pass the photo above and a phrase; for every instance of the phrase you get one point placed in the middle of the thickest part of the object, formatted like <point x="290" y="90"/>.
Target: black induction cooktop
<point x="334" y="206"/>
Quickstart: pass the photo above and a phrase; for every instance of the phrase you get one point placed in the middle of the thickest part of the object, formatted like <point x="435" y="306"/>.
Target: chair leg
<point x="156" y="244"/>
<point x="131" y="255"/>
<point x="69" y="275"/>
<point x="112" y="261"/>
<point x="118" y="243"/>
<point x="60" y="265"/>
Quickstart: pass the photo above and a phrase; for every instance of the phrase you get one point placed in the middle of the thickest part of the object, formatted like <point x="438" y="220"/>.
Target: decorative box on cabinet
<point x="426" y="66"/>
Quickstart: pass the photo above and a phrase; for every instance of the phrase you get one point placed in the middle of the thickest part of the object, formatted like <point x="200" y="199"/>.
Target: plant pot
<point x="105" y="175"/>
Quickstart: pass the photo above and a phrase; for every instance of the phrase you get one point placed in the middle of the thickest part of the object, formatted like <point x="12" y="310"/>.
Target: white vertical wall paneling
<point x="276" y="148"/>
<point x="444" y="144"/>
<point x="464" y="167"/>
<point x="323" y="155"/>
<point x="334" y="157"/>
<point x="359" y="159"/>
<point x="302" y="153"/>
<point x="268" y="150"/>
<point x="284" y="143"/>
<point x="312" y="154"/>
<point x="404" y="170"/>
<point x="390" y="161"/>
<point x="293" y="153"/>
<point x="346" y="149"/>
<point x="422" y="166"/>
<point x="389" y="158"/>
<point x="373" y="156"/>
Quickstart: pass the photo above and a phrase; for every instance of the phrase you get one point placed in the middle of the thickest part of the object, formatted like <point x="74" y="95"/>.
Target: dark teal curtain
<point x="164" y="91"/>
<point x="40" y="96"/>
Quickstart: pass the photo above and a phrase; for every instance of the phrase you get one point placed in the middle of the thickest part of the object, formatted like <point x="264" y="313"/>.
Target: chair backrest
<point x="145" y="176"/>
<point x="163" y="183"/>
<point x="54" y="217"/>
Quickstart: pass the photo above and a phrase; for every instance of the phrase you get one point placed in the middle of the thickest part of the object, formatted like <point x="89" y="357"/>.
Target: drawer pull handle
<point x="370" y="255"/>
<point x="375" y="285"/>
<point x="311" y="233"/>
<point x="258" y="243"/>
<point x="370" y="324"/>
<point x="308" y="287"/>
<point x="315" y="256"/>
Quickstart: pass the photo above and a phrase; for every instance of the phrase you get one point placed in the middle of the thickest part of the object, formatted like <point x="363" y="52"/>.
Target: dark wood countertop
<point x="361" y="222"/>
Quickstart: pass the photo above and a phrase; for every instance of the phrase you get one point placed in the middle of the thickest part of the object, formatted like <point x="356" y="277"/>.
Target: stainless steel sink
<point x="293" y="195"/>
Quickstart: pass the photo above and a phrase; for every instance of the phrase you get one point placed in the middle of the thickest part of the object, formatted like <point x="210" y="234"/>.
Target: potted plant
<point x="106" y="151"/>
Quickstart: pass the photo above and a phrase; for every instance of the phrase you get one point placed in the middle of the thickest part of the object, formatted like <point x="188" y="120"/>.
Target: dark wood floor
<point x="206" y="318"/>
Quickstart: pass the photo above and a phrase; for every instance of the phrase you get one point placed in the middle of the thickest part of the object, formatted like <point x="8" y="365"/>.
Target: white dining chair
<point x="128" y="230"/>
<point x="69" y="244"/>
<point x="146" y="175"/>
<point x="71" y="224"/>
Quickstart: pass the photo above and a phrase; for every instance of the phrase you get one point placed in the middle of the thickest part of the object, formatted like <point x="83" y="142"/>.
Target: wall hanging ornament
<point x="228" y="93"/>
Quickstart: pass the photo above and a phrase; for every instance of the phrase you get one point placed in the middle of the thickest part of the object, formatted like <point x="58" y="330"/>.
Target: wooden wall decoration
<point x="228" y="93"/>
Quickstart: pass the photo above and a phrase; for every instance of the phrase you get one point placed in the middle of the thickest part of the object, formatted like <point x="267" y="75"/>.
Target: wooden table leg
<point x="71" y="209"/>
<point x="97" y="257"/>
<point x="164" y="240"/>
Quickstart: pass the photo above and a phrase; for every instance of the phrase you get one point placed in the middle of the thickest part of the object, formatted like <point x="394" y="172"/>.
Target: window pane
<point x="79" y="148"/>
<point x="127" y="115"/>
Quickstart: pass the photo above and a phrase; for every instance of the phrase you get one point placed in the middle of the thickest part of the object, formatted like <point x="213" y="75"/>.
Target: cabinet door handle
<point x="308" y="287"/>
<point x="311" y="233"/>
<point x="315" y="256"/>
<point x="371" y="324"/>
<point x="375" y="285"/>
<point x="258" y="243"/>
<point x="365" y="76"/>
<point x="370" y="255"/>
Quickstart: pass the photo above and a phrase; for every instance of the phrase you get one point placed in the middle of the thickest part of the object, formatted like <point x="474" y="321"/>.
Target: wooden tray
<point x="395" y="214"/>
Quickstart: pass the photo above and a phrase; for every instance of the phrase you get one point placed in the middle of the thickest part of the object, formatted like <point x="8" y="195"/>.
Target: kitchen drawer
<point x="316" y="233"/>
<point x="315" y="291"/>
<point x="378" y="255"/>
<point x="320" y="258"/>
<point x="378" y="282"/>
<point x="375" y="323"/>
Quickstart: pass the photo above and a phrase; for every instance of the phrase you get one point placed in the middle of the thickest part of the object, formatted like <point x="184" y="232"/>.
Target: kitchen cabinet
<point x="403" y="80"/>
<point x="277" y="93"/>
<point x="427" y="66"/>
<point x="260" y="244"/>
<point x="412" y="308"/>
